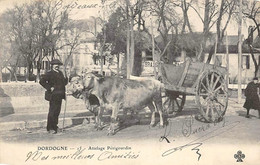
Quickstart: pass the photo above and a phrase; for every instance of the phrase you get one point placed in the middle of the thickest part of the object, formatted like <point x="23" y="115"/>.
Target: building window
<point x="246" y="62"/>
<point x="148" y="55"/>
<point x="43" y="65"/>
<point x="46" y="65"/>
<point x="49" y="65"/>
<point x="149" y="58"/>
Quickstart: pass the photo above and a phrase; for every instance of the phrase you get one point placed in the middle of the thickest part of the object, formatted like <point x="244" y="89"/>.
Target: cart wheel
<point x="173" y="102"/>
<point x="212" y="96"/>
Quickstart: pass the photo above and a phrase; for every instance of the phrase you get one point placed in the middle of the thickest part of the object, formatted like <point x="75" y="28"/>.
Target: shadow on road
<point x="143" y="119"/>
<point x="138" y="119"/>
<point x="146" y="119"/>
<point x="78" y="121"/>
<point x="243" y="113"/>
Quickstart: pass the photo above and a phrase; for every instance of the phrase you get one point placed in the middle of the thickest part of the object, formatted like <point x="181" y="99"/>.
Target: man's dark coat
<point x="57" y="81"/>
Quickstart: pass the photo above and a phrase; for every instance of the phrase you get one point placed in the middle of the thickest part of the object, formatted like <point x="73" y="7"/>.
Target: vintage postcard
<point x="129" y="82"/>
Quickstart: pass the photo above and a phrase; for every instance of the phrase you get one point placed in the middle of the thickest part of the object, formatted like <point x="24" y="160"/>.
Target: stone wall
<point x="22" y="98"/>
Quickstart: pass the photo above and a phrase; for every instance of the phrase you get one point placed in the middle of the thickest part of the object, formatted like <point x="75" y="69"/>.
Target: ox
<point x="117" y="93"/>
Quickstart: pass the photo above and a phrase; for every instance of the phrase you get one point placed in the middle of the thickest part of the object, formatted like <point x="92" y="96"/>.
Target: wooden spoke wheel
<point x="212" y="96"/>
<point x="173" y="102"/>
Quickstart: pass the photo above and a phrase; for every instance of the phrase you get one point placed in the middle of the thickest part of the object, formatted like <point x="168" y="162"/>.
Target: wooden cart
<point x="207" y="82"/>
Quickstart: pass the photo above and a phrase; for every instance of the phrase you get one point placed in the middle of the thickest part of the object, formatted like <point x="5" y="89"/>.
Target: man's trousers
<point x="53" y="116"/>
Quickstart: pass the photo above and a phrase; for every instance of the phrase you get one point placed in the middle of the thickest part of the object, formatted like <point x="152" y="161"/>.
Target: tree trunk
<point x="132" y="49"/>
<point x="117" y="67"/>
<point x="212" y="51"/>
<point x="201" y="56"/>
<point x="38" y="66"/>
<point x="10" y="77"/>
<point x="27" y="73"/>
<point x="254" y="59"/>
<point x="30" y="70"/>
<point x="101" y="60"/>
<point x="1" y="75"/>
<point x="124" y="69"/>
<point x="185" y="17"/>
<point x="52" y="53"/>
<point x="128" y="70"/>
<point x="137" y="69"/>
<point x="38" y="70"/>
<point x="14" y="73"/>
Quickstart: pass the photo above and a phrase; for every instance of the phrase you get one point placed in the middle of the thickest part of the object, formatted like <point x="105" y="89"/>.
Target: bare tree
<point x="185" y="6"/>
<point x="252" y="13"/>
<point x="214" y="15"/>
<point x="11" y="27"/>
<point x="226" y="10"/>
<point x="36" y="30"/>
<point x="168" y="21"/>
<point x="4" y="47"/>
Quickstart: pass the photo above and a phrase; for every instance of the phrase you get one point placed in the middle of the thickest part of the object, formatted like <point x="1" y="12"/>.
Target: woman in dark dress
<point x="252" y="99"/>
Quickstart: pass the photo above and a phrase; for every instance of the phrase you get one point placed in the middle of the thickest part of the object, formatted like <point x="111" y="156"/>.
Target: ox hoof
<point x="152" y="125"/>
<point x="99" y="128"/>
<point x="161" y="126"/>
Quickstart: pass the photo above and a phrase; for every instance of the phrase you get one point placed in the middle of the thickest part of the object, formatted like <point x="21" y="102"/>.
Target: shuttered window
<point x="246" y="61"/>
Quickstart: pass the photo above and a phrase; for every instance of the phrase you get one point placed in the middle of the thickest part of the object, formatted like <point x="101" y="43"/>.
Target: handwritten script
<point x="188" y="129"/>
<point x="81" y="154"/>
<point x="75" y="5"/>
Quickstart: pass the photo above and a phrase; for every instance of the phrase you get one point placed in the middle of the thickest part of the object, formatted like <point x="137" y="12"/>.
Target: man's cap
<point x="255" y="78"/>
<point x="56" y="61"/>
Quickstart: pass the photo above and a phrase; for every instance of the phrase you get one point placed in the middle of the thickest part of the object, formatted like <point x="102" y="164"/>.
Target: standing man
<point x="252" y="99"/>
<point x="54" y="82"/>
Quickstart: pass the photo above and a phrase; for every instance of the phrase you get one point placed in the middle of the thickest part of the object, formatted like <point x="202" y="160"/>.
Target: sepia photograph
<point x="131" y="82"/>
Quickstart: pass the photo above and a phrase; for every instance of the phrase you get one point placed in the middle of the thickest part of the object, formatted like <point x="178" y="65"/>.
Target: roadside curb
<point x="21" y="125"/>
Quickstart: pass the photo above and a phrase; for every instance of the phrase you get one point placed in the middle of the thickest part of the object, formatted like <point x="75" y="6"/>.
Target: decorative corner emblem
<point x="239" y="156"/>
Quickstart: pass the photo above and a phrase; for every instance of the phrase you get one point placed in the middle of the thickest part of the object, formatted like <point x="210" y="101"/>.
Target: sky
<point x="83" y="9"/>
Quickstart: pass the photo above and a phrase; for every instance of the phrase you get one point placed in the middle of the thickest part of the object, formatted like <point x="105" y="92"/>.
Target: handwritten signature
<point x="167" y="131"/>
<point x="195" y="144"/>
<point x="188" y="126"/>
